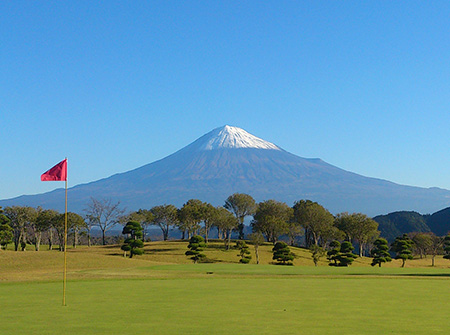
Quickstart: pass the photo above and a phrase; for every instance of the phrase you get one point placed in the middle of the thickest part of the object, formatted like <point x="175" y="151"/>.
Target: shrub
<point x="282" y="254"/>
<point x="196" y="245"/>
<point x="244" y="253"/>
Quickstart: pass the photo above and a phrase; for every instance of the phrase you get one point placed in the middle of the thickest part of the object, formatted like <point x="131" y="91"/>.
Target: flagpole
<point x="65" y="250"/>
<point x="59" y="173"/>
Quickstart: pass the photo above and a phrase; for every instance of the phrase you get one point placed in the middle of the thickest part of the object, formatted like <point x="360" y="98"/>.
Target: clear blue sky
<point x="114" y="85"/>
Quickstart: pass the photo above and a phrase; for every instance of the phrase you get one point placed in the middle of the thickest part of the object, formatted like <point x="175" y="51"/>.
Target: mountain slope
<point x="439" y="222"/>
<point x="229" y="160"/>
<point x="395" y="224"/>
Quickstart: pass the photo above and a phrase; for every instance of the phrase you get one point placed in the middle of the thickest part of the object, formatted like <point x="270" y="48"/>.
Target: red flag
<point x="56" y="173"/>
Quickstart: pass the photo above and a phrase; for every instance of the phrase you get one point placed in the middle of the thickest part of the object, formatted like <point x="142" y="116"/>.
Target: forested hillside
<point x="439" y="222"/>
<point x="397" y="223"/>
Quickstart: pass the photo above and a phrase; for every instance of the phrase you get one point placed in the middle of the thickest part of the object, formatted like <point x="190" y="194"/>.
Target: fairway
<point x="235" y="299"/>
<point x="163" y="292"/>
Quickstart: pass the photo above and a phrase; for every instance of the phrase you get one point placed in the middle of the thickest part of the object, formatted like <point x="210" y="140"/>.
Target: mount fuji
<point x="229" y="160"/>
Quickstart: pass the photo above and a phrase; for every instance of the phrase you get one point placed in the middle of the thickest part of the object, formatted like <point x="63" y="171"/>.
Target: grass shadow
<point x="159" y="250"/>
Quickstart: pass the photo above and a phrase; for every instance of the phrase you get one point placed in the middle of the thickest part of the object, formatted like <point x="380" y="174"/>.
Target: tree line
<point x="321" y="231"/>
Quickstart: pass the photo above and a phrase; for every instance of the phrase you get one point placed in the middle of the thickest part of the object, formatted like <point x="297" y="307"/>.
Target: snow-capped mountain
<point x="229" y="137"/>
<point x="228" y="160"/>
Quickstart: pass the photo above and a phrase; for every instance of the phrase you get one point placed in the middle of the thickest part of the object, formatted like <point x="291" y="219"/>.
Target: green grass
<point x="164" y="293"/>
<point x="215" y="304"/>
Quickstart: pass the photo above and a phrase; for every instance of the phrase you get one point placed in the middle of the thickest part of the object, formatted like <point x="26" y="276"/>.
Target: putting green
<point x="235" y="299"/>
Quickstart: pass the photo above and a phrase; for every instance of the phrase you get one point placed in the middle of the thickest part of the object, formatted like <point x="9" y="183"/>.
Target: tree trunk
<point x="307" y="238"/>
<point x="361" y="247"/>
<point x="241" y="231"/>
<point x="165" y="231"/>
<point x="241" y="228"/>
<point x="75" y="233"/>
<point x="37" y="240"/>
<point x="291" y="240"/>
<point x="316" y="238"/>
<point x="50" y="239"/>
<point x="103" y="237"/>
<point x="17" y="238"/>
<point x="229" y="239"/>
<point x="89" y="238"/>
<point x="257" y="254"/>
<point x="23" y="244"/>
<point x="218" y="233"/>
<point x="432" y="260"/>
<point x="379" y="265"/>
<point x="403" y="264"/>
<point x="16" y="244"/>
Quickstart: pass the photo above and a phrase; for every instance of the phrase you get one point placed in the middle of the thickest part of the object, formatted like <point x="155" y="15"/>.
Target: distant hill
<point x="439" y="222"/>
<point x="229" y="160"/>
<point x="395" y="224"/>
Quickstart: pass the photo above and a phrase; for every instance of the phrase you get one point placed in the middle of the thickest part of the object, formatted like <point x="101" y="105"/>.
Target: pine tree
<point x="133" y="243"/>
<point x="244" y="253"/>
<point x="341" y="254"/>
<point x="380" y="252"/>
<point x="6" y="235"/>
<point x="6" y="231"/>
<point x="402" y="246"/>
<point x="447" y="247"/>
<point x="346" y="256"/>
<point x="317" y="253"/>
<point x="282" y="254"/>
<point x="196" y="245"/>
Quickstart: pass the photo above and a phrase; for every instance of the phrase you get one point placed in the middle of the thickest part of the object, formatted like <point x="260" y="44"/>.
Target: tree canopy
<point x="341" y="254"/>
<point x="402" y="246"/>
<point x="358" y="228"/>
<point x="241" y="205"/>
<point x="196" y="246"/>
<point x="190" y="216"/>
<point x="380" y="252"/>
<point x="244" y="253"/>
<point x="271" y="219"/>
<point x="105" y="214"/>
<point x="165" y="217"/>
<point x="316" y="220"/>
<point x="20" y="218"/>
<point x="6" y="232"/>
<point x="282" y="253"/>
<point x="225" y="222"/>
<point x="133" y="243"/>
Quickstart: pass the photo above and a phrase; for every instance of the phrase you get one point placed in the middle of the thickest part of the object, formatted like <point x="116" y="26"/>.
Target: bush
<point x="341" y="254"/>
<point x="244" y="253"/>
<point x="196" y="245"/>
<point x="133" y="243"/>
<point x="282" y="254"/>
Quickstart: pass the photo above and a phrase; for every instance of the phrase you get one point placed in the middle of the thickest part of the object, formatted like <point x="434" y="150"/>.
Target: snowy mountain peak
<point x="229" y="137"/>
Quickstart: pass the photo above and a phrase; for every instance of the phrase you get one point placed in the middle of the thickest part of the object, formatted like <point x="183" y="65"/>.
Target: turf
<point x="164" y="293"/>
<point x="222" y="305"/>
<point x="108" y="262"/>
